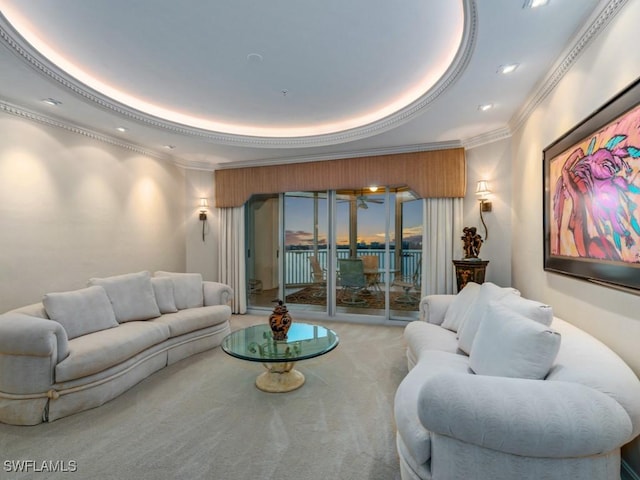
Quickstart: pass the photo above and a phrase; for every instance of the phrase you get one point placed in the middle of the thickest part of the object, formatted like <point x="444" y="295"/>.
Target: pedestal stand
<point x="470" y="271"/>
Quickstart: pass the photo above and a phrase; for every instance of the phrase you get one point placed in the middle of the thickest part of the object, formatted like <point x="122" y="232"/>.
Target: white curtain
<point x="441" y="244"/>
<point x="231" y="264"/>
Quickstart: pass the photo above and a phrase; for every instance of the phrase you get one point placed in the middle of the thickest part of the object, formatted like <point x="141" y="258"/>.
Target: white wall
<point x="492" y="162"/>
<point x="202" y="256"/>
<point x="604" y="69"/>
<point x="72" y="208"/>
<point x="601" y="72"/>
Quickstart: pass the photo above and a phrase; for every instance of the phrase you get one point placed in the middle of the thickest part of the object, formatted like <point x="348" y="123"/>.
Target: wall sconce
<point x="483" y="192"/>
<point x="204" y="207"/>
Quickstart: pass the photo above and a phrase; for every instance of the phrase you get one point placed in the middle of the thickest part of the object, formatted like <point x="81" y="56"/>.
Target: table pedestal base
<point x="279" y="378"/>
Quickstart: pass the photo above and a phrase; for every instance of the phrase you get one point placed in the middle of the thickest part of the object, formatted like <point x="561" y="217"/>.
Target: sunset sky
<point x="371" y="221"/>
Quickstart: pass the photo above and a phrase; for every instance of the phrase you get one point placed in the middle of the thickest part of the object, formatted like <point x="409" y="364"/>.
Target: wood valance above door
<point x="432" y="174"/>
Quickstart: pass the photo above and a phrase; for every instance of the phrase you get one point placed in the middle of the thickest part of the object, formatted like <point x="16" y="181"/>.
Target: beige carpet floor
<point x="203" y="418"/>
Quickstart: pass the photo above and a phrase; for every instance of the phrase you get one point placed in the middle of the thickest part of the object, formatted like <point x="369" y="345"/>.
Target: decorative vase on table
<point x="280" y="321"/>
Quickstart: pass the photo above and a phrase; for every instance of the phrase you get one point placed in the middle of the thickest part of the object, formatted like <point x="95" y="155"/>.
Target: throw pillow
<point x="460" y="307"/>
<point x="531" y="309"/>
<point x="81" y="311"/>
<point x="187" y="288"/>
<point x="510" y="345"/>
<point x="131" y="295"/>
<point x="489" y="292"/>
<point x="163" y="290"/>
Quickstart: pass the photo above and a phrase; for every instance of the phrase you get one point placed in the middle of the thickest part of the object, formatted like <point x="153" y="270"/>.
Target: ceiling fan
<point x="362" y="200"/>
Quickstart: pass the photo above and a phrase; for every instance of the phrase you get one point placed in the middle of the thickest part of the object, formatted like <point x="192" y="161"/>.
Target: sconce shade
<point x="482" y="189"/>
<point x="204" y="204"/>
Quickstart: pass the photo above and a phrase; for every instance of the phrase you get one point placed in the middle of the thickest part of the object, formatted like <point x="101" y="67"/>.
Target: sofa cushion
<point x="131" y="295"/>
<point x="187" y="288"/>
<point x="81" y="311"/>
<point x="461" y="306"/>
<point x="163" y="290"/>
<point x="510" y="345"/>
<point x="192" y="319"/>
<point x="531" y="309"/>
<point x="489" y="292"/>
<point x="421" y="336"/>
<point x="99" y="351"/>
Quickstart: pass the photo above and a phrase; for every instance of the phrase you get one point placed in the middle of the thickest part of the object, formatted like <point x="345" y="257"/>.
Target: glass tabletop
<point x="303" y="341"/>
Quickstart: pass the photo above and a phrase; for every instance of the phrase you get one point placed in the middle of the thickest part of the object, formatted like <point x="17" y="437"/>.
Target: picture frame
<point x="591" y="197"/>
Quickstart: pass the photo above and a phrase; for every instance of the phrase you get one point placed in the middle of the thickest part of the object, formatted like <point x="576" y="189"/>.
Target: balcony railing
<point x="298" y="266"/>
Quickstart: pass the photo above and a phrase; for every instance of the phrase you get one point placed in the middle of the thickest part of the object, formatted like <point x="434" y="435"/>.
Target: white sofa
<point x="77" y="350"/>
<point x="493" y="392"/>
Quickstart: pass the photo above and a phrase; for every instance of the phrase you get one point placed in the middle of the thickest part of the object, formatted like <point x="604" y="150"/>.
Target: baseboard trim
<point x="627" y="473"/>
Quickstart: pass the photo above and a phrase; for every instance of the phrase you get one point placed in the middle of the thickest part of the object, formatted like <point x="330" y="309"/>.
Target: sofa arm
<point x="434" y="307"/>
<point x="216" y="293"/>
<point x="534" y="418"/>
<point x="30" y="348"/>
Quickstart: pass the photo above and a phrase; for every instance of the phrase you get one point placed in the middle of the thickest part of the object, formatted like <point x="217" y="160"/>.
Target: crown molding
<point x="485" y="138"/>
<point x="340" y="155"/>
<point x="12" y="39"/>
<point x="15" y="110"/>
<point x="473" y="142"/>
<point x="32" y="116"/>
<point x="193" y="165"/>
<point x="581" y="41"/>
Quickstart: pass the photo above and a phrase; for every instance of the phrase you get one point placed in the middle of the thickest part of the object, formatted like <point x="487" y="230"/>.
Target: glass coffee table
<point x="256" y="344"/>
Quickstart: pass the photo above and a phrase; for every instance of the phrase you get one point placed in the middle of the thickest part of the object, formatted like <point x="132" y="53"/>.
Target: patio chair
<point x="371" y="273"/>
<point x="408" y="283"/>
<point x="319" y="277"/>
<point x="352" y="280"/>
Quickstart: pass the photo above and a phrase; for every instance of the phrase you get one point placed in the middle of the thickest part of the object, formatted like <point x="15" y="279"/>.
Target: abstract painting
<point x="592" y="196"/>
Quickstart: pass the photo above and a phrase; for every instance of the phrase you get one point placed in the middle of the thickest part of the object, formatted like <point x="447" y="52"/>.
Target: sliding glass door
<point x="362" y="225"/>
<point x="407" y="272"/>
<point x="263" y="247"/>
<point x="306" y="247"/>
<point x="346" y="252"/>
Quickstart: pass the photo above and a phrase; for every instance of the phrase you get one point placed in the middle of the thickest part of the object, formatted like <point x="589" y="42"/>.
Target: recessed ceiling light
<point x="485" y="107"/>
<point x="121" y="129"/>
<point x="508" y="68"/>
<point x="52" y="101"/>
<point x="535" y="3"/>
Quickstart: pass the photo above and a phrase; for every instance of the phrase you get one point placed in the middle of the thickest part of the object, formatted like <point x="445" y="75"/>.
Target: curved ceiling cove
<point x="244" y="72"/>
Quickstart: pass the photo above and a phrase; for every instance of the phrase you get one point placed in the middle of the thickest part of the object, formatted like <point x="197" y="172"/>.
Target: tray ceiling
<point x="239" y="81"/>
